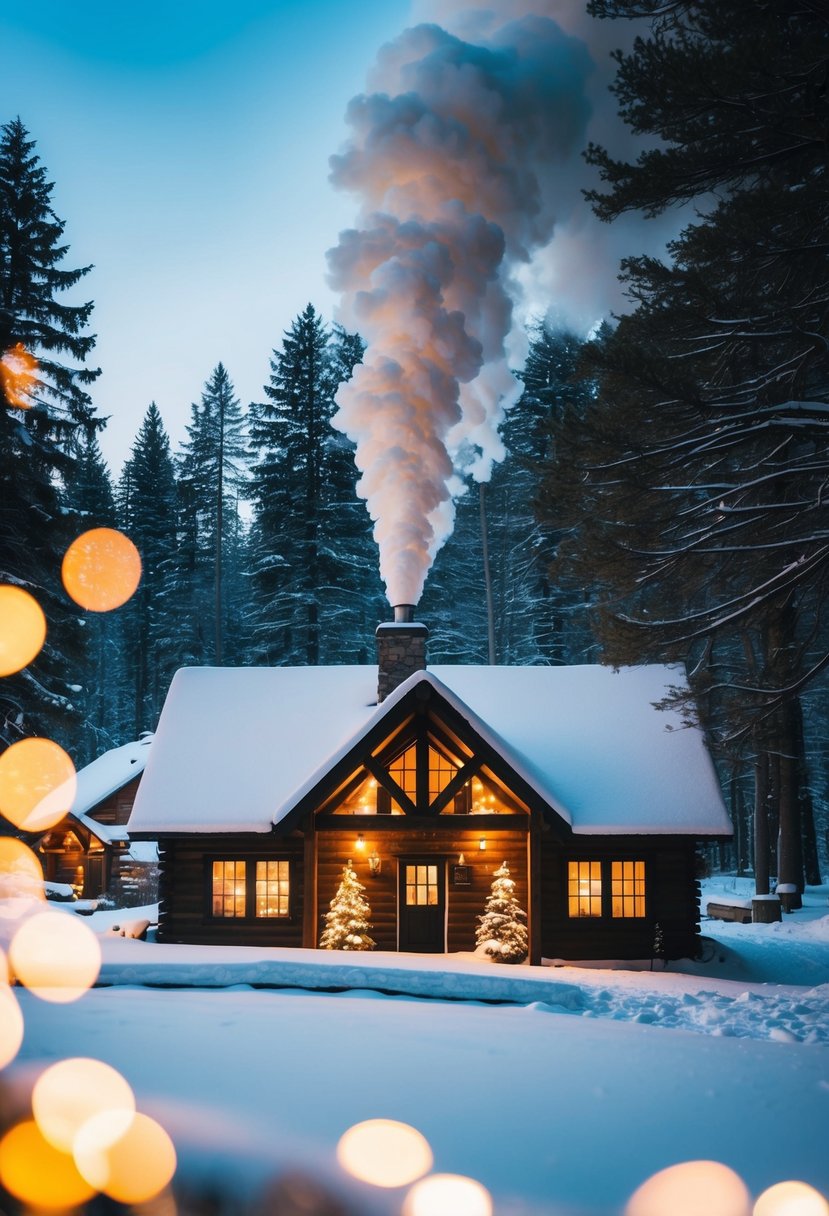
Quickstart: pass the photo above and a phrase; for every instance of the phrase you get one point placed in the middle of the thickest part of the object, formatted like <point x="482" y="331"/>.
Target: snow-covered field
<point x="563" y="1101"/>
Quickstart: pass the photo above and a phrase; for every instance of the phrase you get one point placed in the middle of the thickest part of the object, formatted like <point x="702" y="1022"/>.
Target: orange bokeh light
<point x="133" y="1169"/>
<point x="101" y="569"/>
<point x="68" y="1094"/>
<point x="37" y="1173"/>
<point x="17" y="378"/>
<point x="21" y="878"/>
<point x="448" y="1195"/>
<point x="11" y="1025"/>
<point x="22" y="629"/>
<point x="37" y="784"/>
<point x="384" y="1152"/>
<point x="56" y="956"/>
<point x="791" y="1199"/>
<point x="689" y="1188"/>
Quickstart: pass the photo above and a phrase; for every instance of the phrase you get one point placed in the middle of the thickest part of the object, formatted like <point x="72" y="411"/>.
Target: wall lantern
<point x="482" y="845"/>
<point x="359" y="844"/>
<point x="374" y="864"/>
<point x="461" y="859"/>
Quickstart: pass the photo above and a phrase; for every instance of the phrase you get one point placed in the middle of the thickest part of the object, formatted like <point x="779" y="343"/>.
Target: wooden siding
<point x="464" y="903"/>
<point x="184" y="908"/>
<point x="115" y="810"/>
<point x="671" y="900"/>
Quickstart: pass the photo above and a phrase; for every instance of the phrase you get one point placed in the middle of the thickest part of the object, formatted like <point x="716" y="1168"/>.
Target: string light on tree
<point x="348" y="921"/>
<point x="502" y="930"/>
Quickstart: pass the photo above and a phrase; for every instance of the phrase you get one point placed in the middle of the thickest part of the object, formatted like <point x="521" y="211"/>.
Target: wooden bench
<point x="740" y="913"/>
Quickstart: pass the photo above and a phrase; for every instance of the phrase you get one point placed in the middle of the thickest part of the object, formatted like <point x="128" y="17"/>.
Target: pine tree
<point x="211" y="478"/>
<point x="151" y="619"/>
<point x="43" y="424"/>
<point x="348" y="921"/>
<point x="502" y="930"/>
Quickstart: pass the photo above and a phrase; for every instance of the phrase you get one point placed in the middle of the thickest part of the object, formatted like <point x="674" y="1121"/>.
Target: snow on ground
<point x="561" y="1102"/>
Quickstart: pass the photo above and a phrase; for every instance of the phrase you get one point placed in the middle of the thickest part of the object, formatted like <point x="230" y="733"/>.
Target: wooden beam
<point x="534" y="877"/>
<point x="456" y="785"/>
<point x="309" y="885"/>
<point x="384" y="778"/>
<point x="475" y="825"/>
<point x="422" y="768"/>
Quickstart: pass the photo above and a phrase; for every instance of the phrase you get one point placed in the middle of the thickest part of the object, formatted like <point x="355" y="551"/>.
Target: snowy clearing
<point x="561" y="1103"/>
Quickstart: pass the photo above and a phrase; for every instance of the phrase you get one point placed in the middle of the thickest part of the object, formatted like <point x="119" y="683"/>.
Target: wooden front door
<point x="422" y="905"/>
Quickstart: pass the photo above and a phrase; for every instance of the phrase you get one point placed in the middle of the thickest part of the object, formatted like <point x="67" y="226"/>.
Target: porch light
<point x="374" y="864"/>
<point x="482" y="845"/>
<point x="359" y="844"/>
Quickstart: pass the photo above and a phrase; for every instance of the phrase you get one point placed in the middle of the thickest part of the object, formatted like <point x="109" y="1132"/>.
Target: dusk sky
<point x="189" y="148"/>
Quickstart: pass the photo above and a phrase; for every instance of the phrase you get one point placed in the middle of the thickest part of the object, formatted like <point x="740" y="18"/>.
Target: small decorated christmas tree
<point x="347" y="923"/>
<point x="502" y="930"/>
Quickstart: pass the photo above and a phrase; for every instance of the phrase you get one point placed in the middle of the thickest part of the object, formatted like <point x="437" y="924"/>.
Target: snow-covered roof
<point x="237" y="748"/>
<point x="107" y="774"/>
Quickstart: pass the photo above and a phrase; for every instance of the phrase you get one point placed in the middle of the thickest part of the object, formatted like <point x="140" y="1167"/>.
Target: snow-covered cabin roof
<point x="109" y="773"/>
<point x="237" y="748"/>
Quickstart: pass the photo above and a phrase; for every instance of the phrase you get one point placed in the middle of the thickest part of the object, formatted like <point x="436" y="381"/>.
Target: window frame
<point x="606" y="876"/>
<point x="249" y="860"/>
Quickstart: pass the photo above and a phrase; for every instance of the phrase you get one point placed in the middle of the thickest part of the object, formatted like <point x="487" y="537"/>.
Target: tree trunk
<point x="490" y="610"/>
<point x="789" y="856"/>
<point x="811" y="859"/>
<point x="761" y="822"/>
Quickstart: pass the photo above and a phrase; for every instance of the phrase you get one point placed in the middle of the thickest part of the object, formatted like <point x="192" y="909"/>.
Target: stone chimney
<point x="401" y="649"/>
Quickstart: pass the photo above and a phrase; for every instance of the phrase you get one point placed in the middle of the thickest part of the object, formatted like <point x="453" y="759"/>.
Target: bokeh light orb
<point x="21" y="878"/>
<point x="691" y="1188"/>
<point x="37" y="1174"/>
<point x="101" y="569"/>
<point x="134" y="1168"/>
<point x="791" y="1199"/>
<point x="56" y="956"/>
<point x="37" y="784"/>
<point x="69" y="1093"/>
<point x="448" y="1195"/>
<point x="384" y="1152"/>
<point x="22" y="629"/>
<point x="11" y="1025"/>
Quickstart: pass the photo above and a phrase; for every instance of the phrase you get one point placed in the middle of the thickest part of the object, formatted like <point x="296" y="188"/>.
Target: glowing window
<point x="627" y="888"/>
<point x="584" y="888"/>
<point x="404" y="771"/>
<point x="272" y="888"/>
<point x="422" y="885"/>
<point x="229" y="888"/>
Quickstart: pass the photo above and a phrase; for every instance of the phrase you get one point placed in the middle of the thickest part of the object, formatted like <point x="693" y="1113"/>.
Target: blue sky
<point x="188" y="142"/>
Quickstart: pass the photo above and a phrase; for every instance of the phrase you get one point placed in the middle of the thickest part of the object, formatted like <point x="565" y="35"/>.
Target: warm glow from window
<point x="134" y="1168"/>
<point x="69" y="1093"/>
<point x="486" y="800"/>
<point x="37" y="1174"/>
<point x="448" y="1195"/>
<point x="584" y="888"/>
<point x="689" y="1189"/>
<point x="37" y="784"/>
<point x="22" y="629"/>
<point x="791" y="1199"/>
<point x="17" y="376"/>
<point x="11" y="1025"/>
<point x="627" y="888"/>
<point x="422" y="886"/>
<point x="229" y="888"/>
<point x="272" y="888"/>
<point x="384" y="1152"/>
<point x="56" y="956"/>
<point x="101" y="569"/>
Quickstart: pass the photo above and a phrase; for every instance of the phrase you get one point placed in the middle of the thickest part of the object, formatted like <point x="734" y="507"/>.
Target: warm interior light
<point x="37" y="1174"/>
<point x="448" y="1195"/>
<point x="17" y="379"/>
<point x="791" y="1199"/>
<point x="101" y="569"/>
<point x="359" y="844"/>
<point x="22" y="629"/>
<point x="482" y="845"/>
<point x="21" y="878"/>
<point x="384" y="1152"/>
<point x="461" y="859"/>
<point x="11" y="1025"/>
<point x="37" y="784"/>
<point x="56" y="956"/>
<point x="134" y="1168"/>
<point x="690" y="1188"/>
<point x="69" y="1093"/>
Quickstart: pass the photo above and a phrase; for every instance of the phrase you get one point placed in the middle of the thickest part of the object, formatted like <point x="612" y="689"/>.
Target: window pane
<point x="584" y="888"/>
<point x="628" y="888"/>
<point x="228" y="893"/>
<point x="272" y="888"/>
<point x="411" y="894"/>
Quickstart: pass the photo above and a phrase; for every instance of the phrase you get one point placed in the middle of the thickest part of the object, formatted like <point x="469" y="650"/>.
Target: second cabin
<point x="264" y="782"/>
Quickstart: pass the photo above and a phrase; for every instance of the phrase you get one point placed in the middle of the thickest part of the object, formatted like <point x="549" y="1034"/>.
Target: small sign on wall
<point x="461" y="876"/>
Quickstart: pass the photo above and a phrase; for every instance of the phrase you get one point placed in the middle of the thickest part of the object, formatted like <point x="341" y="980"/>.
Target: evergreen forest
<point x="664" y="492"/>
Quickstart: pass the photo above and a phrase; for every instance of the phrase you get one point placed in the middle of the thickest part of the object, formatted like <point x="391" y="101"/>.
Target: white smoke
<point x="462" y="157"/>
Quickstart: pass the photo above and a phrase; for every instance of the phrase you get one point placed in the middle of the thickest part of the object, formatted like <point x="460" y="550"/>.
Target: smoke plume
<point x="461" y="157"/>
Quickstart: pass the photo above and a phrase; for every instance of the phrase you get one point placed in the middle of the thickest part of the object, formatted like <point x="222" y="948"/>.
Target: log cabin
<point x="89" y="849"/>
<point x="264" y="783"/>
